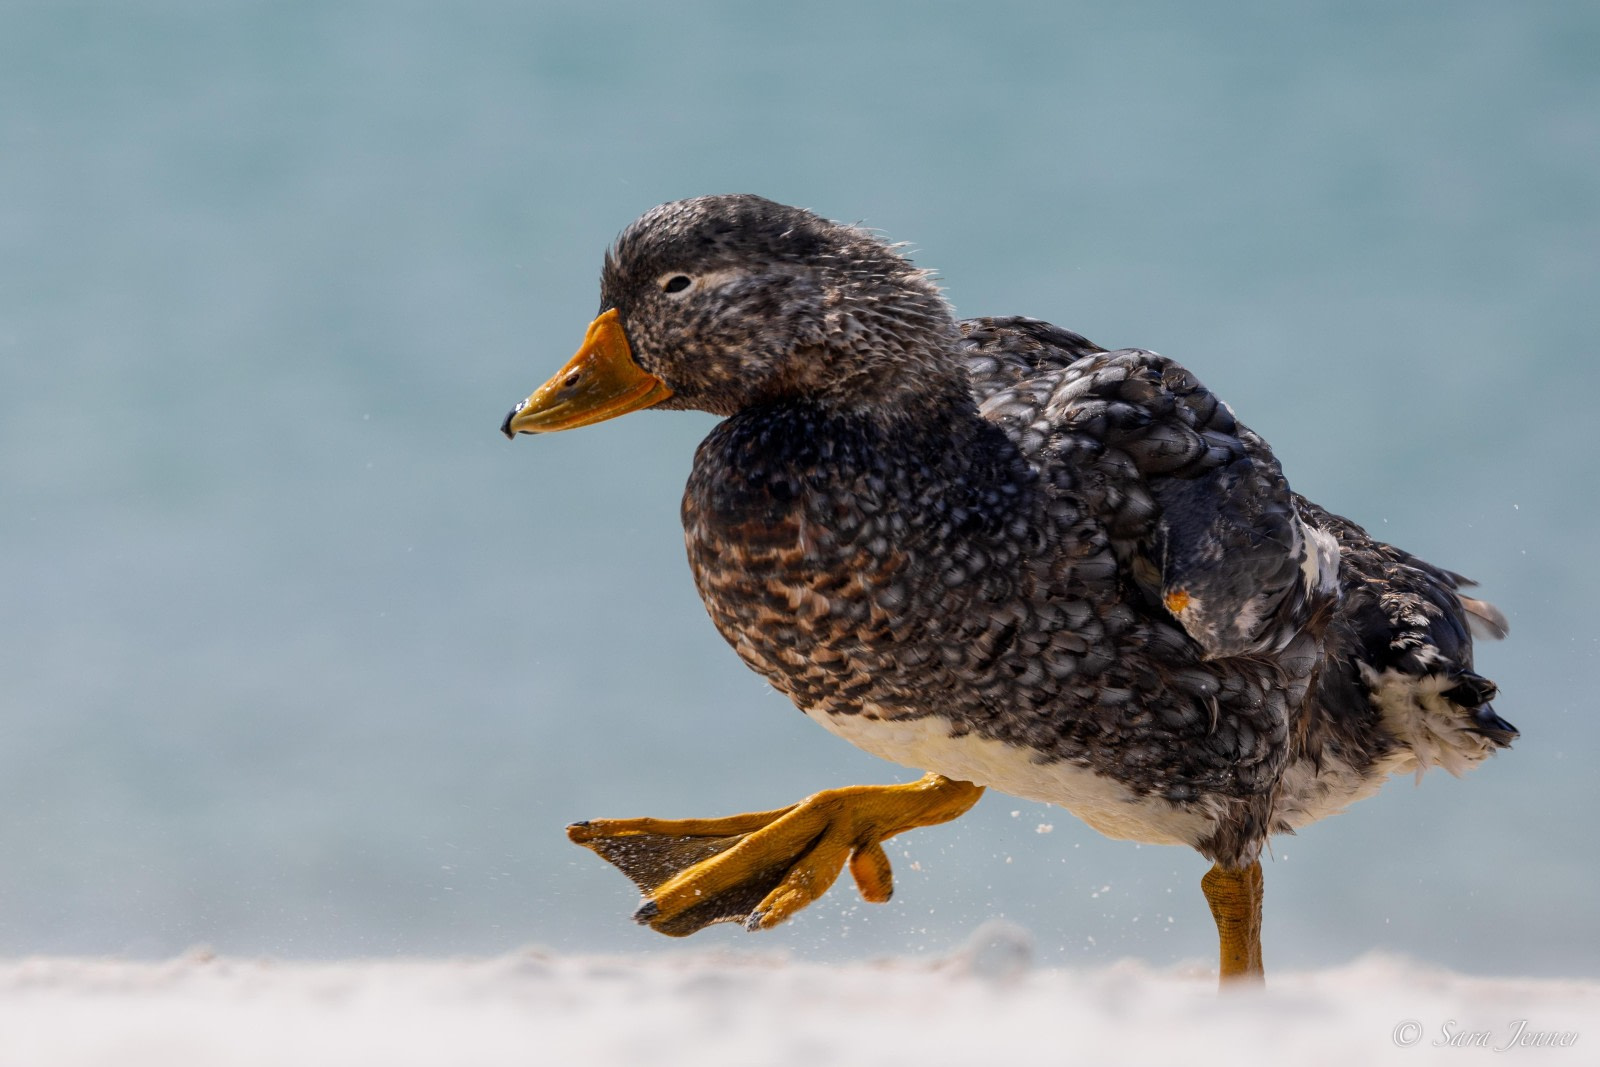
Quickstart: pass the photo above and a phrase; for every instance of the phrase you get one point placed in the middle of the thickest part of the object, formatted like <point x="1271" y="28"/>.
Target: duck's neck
<point x="923" y="380"/>
<point x="887" y="348"/>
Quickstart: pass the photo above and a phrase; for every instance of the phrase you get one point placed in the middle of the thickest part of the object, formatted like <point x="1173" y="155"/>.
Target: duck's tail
<point x="1398" y="657"/>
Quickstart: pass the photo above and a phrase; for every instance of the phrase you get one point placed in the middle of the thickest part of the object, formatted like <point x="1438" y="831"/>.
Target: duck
<point x="997" y="553"/>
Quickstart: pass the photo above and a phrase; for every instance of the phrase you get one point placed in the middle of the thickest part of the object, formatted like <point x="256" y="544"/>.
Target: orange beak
<point x="601" y="382"/>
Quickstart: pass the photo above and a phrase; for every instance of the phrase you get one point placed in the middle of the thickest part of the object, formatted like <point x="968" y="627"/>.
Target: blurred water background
<point x="298" y="656"/>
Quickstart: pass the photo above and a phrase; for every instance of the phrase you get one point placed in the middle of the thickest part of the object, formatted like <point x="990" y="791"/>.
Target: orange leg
<point x="1235" y="899"/>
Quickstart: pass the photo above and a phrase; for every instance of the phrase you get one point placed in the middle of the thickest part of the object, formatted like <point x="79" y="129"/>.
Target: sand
<point x="984" y="1005"/>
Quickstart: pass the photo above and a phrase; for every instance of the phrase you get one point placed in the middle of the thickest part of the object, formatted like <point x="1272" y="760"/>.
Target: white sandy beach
<point x="983" y="1006"/>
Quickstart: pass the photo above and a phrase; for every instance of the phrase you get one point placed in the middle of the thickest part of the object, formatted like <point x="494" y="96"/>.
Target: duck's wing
<point x="1194" y="502"/>
<point x="1005" y="351"/>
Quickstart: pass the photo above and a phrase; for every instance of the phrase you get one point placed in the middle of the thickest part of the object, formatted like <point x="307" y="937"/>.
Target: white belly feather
<point x="1104" y="803"/>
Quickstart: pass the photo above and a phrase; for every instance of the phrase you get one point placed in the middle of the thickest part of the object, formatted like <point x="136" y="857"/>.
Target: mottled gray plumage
<point x="997" y="551"/>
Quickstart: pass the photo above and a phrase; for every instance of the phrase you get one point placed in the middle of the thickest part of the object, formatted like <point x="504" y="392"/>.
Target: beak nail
<point x="505" y="427"/>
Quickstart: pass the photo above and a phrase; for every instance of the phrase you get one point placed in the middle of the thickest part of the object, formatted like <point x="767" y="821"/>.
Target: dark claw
<point x="647" y="911"/>
<point x="753" y="924"/>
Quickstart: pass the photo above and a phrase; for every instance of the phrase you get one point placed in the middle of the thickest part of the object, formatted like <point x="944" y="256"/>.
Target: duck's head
<point x="723" y="303"/>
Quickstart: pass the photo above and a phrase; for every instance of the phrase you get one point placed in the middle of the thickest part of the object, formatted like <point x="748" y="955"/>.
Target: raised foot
<point x="760" y="868"/>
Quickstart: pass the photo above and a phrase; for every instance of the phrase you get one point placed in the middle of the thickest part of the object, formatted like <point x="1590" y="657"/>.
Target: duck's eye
<point x="677" y="283"/>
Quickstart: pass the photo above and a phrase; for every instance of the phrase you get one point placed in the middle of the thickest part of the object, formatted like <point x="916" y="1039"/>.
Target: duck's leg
<point x="758" y="869"/>
<point x="1235" y="898"/>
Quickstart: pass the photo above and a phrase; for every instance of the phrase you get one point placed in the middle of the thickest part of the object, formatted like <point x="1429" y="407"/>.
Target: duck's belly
<point x="1104" y="803"/>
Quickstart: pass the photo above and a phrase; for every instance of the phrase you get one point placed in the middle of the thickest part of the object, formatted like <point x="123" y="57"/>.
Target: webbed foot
<point x="760" y="868"/>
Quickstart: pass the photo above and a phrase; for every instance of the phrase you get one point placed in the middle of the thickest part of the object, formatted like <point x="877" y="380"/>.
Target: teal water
<point x="300" y="657"/>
